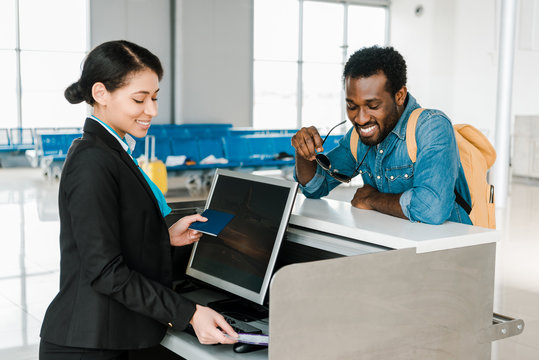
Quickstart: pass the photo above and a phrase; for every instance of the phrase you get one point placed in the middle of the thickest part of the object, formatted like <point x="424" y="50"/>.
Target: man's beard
<point x="390" y="122"/>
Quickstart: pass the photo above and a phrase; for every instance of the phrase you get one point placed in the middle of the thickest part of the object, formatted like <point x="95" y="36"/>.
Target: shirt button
<point x="381" y="151"/>
<point x="405" y="175"/>
<point x="361" y="171"/>
<point x="378" y="177"/>
<point x="391" y="177"/>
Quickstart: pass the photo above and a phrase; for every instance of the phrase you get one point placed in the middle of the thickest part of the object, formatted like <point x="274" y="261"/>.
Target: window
<point x="275" y="67"/>
<point x="8" y="90"/>
<point x="300" y="48"/>
<point x="42" y="47"/>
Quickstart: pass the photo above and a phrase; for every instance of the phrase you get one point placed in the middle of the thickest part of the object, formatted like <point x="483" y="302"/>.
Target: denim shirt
<point x="427" y="186"/>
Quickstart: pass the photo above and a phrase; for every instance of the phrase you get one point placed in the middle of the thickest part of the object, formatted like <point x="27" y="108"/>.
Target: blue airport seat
<point x="237" y="148"/>
<point x="162" y="130"/>
<point x="163" y="147"/>
<point x="283" y="144"/>
<point x="22" y="138"/>
<point x="139" y="147"/>
<point x="206" y="130"/>
<point x="197" y="149"/>
<point x="253" y="148"/>
<point x="16" y="139"/>
<point x="55" y="144"/>
<point x="249" y="131"/>
<point x="5" y="142"/>
<point x="260" y="150"/>
<point x="187" y="147"/>
<point x="177" y="131"/>
<point x="209" y="147"/>
<point x="51" y="150"/>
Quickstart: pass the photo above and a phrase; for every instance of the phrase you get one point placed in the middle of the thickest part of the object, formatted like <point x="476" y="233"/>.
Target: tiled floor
<point x="29" y="259"/>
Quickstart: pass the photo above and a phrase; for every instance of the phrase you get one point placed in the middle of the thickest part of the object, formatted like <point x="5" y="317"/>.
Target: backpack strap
<point x="411" y="145"/>
<point x="463" y="204"/>
<point x="354" y="139"/>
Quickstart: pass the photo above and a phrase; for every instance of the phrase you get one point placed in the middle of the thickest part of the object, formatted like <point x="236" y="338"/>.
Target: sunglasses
<point x="325" y="164"/>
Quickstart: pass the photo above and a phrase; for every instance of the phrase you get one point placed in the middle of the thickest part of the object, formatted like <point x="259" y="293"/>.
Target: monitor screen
<point x="241" y="258"/>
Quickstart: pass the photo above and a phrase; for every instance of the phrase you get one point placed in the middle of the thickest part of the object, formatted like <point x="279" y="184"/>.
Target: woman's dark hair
<point x="371" y="60"/>
<point x="111" y="63"/>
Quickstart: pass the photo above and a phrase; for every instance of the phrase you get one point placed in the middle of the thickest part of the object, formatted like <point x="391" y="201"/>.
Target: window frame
<point x="18" y="51"/>
<point x="385" y="4"/>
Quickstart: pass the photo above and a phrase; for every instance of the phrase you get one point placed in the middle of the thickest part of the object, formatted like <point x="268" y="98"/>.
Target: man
<point x="378" y="106"/>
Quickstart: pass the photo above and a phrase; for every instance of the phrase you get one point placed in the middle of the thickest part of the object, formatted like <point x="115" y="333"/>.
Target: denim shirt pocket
<point x="365" y="171"/>
<point x="399" y="178"/>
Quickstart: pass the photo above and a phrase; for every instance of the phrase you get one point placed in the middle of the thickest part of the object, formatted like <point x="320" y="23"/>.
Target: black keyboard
<point x="240" y="326"/>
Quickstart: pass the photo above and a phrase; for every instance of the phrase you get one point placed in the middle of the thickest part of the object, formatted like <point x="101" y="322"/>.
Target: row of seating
<point x="16" y="139"/>
<point x="201" y="146"/>
<point x="22" y="139"/>
<point x="239" y="147"/>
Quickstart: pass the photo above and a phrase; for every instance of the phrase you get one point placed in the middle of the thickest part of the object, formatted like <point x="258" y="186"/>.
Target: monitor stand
<point x="240" y="309"/>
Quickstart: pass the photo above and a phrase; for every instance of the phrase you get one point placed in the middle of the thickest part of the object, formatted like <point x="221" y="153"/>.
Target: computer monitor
<point x="241" y="258"/>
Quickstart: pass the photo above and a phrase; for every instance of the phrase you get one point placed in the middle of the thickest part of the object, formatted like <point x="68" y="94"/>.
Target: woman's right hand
<point x="181" y="235"/>
<point x="205" y="322"/>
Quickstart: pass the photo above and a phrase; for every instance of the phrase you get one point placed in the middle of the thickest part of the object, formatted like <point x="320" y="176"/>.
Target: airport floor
<point x="29" y="261"/>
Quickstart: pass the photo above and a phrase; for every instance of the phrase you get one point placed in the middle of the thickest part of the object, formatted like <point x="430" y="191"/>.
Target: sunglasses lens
<point x="323" y="161"/>
<point x="341" y="177"/>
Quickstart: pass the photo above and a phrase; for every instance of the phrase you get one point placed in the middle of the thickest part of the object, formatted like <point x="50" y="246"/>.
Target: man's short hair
<point x="369" y="61"/>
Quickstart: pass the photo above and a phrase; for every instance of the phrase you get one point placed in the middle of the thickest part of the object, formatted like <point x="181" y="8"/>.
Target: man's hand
<point x="369" y="198"/>
<point x="179" y="233"/>
<point x="362" y="197"/>
<point x="307" y="142"/>
<point x="211" y="327"/>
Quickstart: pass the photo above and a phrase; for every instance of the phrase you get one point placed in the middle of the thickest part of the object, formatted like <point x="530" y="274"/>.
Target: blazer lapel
<point x="101" y="133"/>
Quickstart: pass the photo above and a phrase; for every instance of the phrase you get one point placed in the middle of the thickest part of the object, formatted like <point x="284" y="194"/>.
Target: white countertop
<point x="188" y="347"/>
<point x="341" y="218"/>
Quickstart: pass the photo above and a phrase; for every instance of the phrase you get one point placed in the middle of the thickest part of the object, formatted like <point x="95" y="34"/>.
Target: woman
<point x="115" y="271"/>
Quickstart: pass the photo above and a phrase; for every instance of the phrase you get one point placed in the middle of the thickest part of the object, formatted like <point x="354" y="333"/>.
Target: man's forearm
<point x="367" y="197"/>
<point x="305" y="170"/>
<point x="387" y="204"/>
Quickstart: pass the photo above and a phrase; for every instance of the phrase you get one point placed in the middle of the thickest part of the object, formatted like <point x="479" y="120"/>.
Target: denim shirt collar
<point x="400" y="127"/>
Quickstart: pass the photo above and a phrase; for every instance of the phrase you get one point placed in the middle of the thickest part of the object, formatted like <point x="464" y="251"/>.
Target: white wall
<point x="214" y="66"/>
<point x="451" y="57"/>
<point x="525" y="90"/>
<point x="144" y="22"/>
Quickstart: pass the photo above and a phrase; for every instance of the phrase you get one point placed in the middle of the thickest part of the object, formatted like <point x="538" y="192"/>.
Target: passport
<point x="217" y="221"/>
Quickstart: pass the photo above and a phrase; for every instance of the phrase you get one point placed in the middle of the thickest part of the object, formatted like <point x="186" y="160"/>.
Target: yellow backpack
<point x="477" y="155"/>
<point x="152" y="166"/>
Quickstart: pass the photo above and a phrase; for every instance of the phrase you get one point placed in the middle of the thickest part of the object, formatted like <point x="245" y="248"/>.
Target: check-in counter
<point x="358" y="284"/>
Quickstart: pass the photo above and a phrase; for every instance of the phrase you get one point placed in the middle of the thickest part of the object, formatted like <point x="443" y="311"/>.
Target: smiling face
<point x="130" y="108"/>
<point x="373" y="111"/>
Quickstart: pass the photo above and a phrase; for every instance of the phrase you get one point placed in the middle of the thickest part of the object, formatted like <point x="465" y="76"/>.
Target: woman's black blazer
<point x="115" y="268"/>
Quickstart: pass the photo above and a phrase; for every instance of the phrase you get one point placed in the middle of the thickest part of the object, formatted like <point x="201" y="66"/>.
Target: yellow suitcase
<point x="153" y="167"/>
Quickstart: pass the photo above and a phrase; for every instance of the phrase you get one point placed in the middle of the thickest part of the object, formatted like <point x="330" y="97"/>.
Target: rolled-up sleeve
<point x="313" y="188"/>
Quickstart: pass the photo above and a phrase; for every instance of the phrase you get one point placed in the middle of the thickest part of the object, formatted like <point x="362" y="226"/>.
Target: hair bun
<point x="74" y="93"/>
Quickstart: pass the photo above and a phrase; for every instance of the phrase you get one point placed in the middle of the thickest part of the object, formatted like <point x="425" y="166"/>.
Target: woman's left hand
<point x="179" y="233"/>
